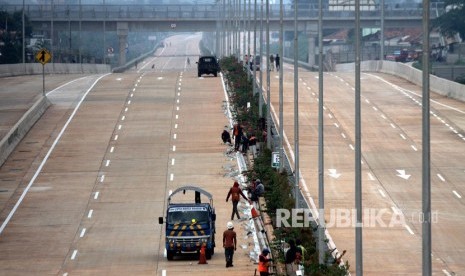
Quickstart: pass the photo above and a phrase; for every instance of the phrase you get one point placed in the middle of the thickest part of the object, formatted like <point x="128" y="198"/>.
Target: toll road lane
<point x="93" y="206"/>
<point x="391" y="168"/>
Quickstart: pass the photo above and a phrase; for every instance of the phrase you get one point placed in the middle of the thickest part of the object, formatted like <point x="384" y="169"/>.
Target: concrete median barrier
<point x="19" y="69"/>
<point x="20" y="129"/>
<point x="438" y="85"/>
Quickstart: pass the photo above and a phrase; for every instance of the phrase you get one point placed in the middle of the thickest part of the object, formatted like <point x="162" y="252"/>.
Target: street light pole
<point x="24" y="36"/>
<point x="281" y="119"/>
<point x="254" y="79"/>
<point x="105" y="52"/>
<point x="244" y="32"/>
<point x="321" y="178"/>
<point x="296" y="109"/>
<point x="260" y="96"/>
<point x="268" y="73"/>
<point x="381" y="54"/>
<point x="358" y="145"/>
<point x="426" y="141"/>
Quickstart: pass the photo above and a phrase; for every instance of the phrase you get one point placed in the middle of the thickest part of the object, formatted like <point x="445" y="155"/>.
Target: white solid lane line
<point x="36" y="174"/>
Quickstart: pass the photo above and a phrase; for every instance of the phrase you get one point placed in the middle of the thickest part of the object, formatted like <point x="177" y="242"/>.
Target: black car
<point x="208" y="65"/>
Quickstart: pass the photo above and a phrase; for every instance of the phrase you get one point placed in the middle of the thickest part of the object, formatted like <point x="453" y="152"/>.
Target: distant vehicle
<point x="399" y="56"/>
<point x="208" y="65"/>
<point x="189" y="226"/>
<point x="256" y="62"/>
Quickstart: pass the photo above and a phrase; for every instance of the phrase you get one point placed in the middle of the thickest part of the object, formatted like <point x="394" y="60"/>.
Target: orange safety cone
<point x="202" y="256"/>
<point x="254" y="213"/>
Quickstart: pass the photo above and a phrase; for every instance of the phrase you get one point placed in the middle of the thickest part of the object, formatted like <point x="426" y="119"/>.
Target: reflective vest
<point x="262" y="266"/>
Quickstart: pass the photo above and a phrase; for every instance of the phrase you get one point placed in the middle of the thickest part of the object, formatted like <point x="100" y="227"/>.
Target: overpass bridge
<point x="48" y="20"/>
<point x="206" y="17"/>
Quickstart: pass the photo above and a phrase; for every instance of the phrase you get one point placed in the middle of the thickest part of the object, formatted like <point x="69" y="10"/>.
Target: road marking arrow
<point x="333" y="173"/>
<point x="401" y="173"/>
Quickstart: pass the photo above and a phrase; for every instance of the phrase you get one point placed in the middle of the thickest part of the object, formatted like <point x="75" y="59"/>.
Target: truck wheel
<point x="169" y="255"/>
<point x="199" y="74"/>
<point x="209" y="253"/>
<point x="215" y="74"/>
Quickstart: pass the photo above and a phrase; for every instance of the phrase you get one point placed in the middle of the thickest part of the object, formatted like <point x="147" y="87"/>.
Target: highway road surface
<point x="82" y="192"/>
<point x="391" y="168"/>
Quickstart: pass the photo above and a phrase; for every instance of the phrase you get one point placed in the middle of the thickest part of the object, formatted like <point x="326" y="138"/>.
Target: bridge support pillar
<point x="122" y="30"/>
<point x="311" y="48"/>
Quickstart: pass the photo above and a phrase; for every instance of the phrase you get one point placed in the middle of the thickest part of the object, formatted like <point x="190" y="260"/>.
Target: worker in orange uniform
<point x="264" y="262"/>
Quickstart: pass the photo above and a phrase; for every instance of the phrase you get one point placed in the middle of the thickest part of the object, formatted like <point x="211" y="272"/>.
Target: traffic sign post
<point x="275" y="159"/>
<point x="43" y="56"/>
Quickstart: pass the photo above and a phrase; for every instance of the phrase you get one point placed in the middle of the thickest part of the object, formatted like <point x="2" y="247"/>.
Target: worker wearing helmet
<point x="229" y="243"/>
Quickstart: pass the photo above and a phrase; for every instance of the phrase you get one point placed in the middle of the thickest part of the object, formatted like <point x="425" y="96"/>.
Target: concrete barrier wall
<point x="20" y="129"/>
<point x="9" y="70"/>
<point x="438" y="85"/>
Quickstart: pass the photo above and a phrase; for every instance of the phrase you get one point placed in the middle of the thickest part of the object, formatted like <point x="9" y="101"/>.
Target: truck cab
<point x="191" y="225"/>
<point x="208" y="65"/>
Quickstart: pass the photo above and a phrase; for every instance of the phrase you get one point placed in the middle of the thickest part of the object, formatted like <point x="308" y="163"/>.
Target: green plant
<point x="278" y="192"/>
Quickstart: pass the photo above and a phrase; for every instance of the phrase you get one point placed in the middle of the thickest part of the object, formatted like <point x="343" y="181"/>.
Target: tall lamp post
<point x="296" y="109"/>
<point x="281" y="105"/>
<point x="24" y="36"/>
<point x="268" y="73"/>
<point x="358" y="150"/>
<point x="321" y="178"/>
<point x="426" y="141"/>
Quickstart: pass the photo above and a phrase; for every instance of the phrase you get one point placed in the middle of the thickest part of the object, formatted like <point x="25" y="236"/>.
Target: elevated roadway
<point x="92" y="207"/>
<point x="391" y="167"/>
<point x="205" y="18"/>
<point x="82" y="192"/>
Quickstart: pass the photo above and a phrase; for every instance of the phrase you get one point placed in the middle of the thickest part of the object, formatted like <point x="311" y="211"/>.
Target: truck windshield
<point x="207" y="60"/>
<point x="182" y="217"/>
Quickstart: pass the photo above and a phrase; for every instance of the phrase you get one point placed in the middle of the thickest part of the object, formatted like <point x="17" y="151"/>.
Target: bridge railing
<point x="196" y="12"/>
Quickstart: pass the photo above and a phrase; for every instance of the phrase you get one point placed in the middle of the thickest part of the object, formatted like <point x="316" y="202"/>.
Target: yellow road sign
<point x="43" y="56"/>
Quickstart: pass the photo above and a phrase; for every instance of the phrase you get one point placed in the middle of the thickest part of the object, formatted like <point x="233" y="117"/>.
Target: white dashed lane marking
<point x="74" y="255"/>
<point x="83" y="232"/>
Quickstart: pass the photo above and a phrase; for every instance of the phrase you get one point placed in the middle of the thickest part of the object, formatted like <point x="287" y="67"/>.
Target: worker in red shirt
<point x="235" y="193"/>
<point x="229" y="243"/>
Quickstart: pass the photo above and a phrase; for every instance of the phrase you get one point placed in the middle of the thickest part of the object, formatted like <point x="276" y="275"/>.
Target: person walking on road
<point x="235" y="193"/>
<point x="271" y="63"/>
<point x="264" y="262"/>
<point x="237" y="133"/>
<point x="229" y="243"/>
<point x="277" y="60"/>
